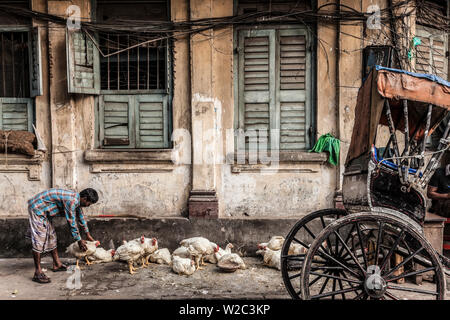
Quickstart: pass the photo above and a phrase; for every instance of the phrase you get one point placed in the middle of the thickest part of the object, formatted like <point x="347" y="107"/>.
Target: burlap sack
<point x="17" y="142"/>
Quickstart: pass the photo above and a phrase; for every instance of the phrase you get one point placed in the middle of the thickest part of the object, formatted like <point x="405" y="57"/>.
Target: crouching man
<point x="42" y="208"/>
<point x="439" y="191"/>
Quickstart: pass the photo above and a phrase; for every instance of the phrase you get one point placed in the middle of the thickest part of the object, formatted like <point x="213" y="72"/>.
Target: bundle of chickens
<point x="271" y="251"/>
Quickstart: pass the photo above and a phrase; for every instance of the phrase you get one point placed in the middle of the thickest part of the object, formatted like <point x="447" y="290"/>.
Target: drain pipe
<point x="338" y="201"/>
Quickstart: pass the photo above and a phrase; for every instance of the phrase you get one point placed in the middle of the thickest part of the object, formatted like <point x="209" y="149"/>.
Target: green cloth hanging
<point x="328" y="143"/>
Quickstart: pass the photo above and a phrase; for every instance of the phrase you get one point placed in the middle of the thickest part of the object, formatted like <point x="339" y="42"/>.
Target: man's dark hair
<point x="90" y="195"/>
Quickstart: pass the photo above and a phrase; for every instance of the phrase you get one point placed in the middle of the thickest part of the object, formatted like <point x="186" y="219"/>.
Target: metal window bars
<point x="14" y="74"/>
<point x="141" y="67"/>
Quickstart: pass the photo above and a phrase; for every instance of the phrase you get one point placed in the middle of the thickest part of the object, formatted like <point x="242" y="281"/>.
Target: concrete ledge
<point x="283" y="156"/>
<point x="128" y="156"/>
<point x="245" y="234"/>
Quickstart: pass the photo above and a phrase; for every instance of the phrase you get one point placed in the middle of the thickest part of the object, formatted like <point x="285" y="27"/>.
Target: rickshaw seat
<point x="377" y="158"/>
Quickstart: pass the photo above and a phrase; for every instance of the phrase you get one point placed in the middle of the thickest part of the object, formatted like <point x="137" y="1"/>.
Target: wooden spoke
<point x="295" y="276"/>
<point x="412" y="290"/>
<point x="403" y="262"/>
<point x="391" y="295"/>
<point x="359" y="296"/>
<point x="324" y="285"/>
<point x="409" y="274"/>
<point x="350" y="252"/>
<point x="388" y="256"/>
<point x="339" y="263"/>
<point x="377" y="250"/>
<point x="336" y="277"/>
<point x="352" y="289"/>
<point x="315" y="280"/>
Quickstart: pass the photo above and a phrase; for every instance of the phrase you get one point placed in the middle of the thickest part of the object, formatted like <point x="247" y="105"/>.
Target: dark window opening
<point x="7" y="16"/>
<point x="140" y="68"/>
<point x="432" y="13"/>
<point x="14" y="65"/>
<point x="250" y="6"/>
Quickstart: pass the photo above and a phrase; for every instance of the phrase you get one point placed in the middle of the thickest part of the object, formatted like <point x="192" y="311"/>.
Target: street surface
<point x="112" y="281"/>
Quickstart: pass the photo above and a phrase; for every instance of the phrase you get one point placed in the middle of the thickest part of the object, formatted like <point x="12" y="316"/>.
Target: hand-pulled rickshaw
<point x="369" y="249"/>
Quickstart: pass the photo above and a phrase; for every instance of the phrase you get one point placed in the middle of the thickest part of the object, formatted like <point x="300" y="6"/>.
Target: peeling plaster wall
<point x="15" y="184"/>
<point x="17" y="189"/>
<point x="67" y="125"/>
<point x="278" y="195"/>
<point x="137" y="192"/>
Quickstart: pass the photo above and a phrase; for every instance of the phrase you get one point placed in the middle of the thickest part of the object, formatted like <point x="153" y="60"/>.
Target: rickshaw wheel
<point x="303" y="233"/>
<point x="363" y="268"/>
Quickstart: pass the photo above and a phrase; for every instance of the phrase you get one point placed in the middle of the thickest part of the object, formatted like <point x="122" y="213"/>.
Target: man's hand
<point x="89" y="237"/>
<point x="82" y="245"/>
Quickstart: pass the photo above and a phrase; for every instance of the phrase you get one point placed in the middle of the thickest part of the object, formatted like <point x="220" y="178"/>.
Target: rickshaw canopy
<point x="395" y="85"/>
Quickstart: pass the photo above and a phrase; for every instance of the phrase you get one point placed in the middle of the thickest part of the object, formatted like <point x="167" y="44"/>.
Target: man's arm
<point x="433" y="194"/>
<point x="83" y="223"/>
<point x="69" y="211"/>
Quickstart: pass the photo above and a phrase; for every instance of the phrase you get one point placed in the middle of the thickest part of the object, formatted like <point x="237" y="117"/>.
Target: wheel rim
<point x="303" y="233"/>
<point x="370" y="255"/>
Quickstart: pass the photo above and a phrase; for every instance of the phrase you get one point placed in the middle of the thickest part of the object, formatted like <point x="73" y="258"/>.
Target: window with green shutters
<point x="134" y="121"/>
<point x="133" y="91"/>
<point x="431" y="53"/>
<point x="20" y="76"/>
<point x="16" y="114"/>
<point x="274" y="86"/>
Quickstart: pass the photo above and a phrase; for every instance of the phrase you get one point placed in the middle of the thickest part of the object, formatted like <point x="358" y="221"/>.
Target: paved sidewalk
<point x="112" y="281"/>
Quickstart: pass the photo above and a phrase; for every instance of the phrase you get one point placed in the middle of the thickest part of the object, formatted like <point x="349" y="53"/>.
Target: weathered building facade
<point x="152" y="124"/>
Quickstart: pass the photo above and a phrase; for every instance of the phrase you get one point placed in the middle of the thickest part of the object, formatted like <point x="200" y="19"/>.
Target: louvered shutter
<point x="431" y="53"/>
<point x="34" y="53"/>
<point x="152" y="114"/>
<point x="292" y="94"/>
<point x="16" y="114"/>
<point x="116" y="117"/>
<point x="82" y="63"/>
<point x="256" y="82"/>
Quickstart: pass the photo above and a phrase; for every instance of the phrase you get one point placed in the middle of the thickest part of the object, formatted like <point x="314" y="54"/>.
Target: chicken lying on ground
<point x="161" y="256"/>
<point x="296" y="248"/>
<point x="130" y="252"/>
<point x="183" y="265"/>
<point x="275" y="243"/>
<point x="231" y="261"/>
<point x="74" y="249"/>
<point x="272" y="258"/>
<point x="181" y="252"/>
<point x="198" y="248"/>
<point x="101" y="256"/>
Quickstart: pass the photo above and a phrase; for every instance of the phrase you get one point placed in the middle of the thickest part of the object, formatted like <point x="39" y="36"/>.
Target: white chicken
<point x="181" y="252"/>
<point x="150" y="245"/>
<point x="101" y="256"/>
<point x="231" y="261"/>
<point x="296" y="248"/>
<point x="198" y="248"/>
<point x="272" y="258"/>
<point x="218" y="253"/>
<point x="161" y="256"/>
<point x="74" y="249"/>
<point x="275" y="243"/>
<point x="130" y="252"/>
<point x="183" y="266"/>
